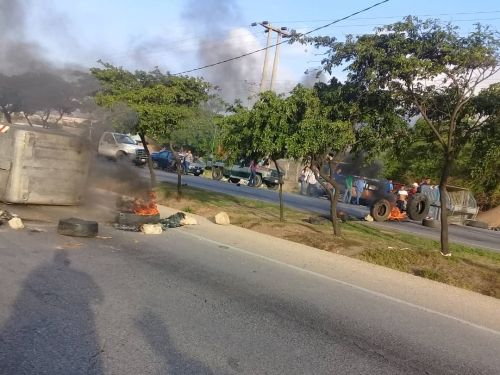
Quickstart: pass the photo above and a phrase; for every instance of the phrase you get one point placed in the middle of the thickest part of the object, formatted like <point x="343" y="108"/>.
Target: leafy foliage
<point x="161" y="101"/>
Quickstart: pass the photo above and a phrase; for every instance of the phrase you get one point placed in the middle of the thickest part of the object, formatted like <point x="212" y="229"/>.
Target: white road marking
<point x="345" y="283"/>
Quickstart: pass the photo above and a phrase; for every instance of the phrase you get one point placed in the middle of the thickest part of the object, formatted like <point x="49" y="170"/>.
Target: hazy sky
<point x="178" y="35"/>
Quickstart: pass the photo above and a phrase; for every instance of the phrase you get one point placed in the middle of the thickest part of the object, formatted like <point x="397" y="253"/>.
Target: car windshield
<point x="122" y="138"/>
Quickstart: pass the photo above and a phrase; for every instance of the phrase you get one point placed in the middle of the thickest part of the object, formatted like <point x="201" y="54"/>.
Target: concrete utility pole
<point x="281" y="32"/>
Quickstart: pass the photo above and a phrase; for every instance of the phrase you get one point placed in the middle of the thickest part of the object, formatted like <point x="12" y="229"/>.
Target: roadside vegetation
<point x="469" y="268"/>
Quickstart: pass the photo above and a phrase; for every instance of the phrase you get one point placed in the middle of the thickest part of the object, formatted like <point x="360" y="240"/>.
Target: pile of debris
<point x="13" y="220"/>
<point x="141" y="214"/>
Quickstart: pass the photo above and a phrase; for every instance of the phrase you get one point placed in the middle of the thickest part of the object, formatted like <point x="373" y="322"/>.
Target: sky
<point x="179" y="35"/>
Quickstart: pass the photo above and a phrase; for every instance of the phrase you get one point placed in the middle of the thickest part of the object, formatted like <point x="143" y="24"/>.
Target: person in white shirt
<point x="402" y="198"/>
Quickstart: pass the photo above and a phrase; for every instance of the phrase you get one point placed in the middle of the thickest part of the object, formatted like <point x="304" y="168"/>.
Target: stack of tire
<point x="417" y="209"/>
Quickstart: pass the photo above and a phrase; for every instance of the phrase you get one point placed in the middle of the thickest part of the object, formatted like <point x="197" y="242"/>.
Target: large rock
<point x="189" y="221"/>
<point x="16" y="223"/>
<point x="222" y="218"/>
<point x="151" y="229"/>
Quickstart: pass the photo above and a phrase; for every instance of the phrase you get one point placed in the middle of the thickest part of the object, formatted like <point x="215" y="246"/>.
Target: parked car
<point x="165" y="160"/>
<point x="120" y="146"/>
<point x="241" y="171"/>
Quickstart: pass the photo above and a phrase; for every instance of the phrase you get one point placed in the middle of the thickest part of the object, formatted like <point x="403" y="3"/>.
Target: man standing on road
<point x="360" y="188"/>
<point x="348" y="188"/>
<point x="188" y="159"/>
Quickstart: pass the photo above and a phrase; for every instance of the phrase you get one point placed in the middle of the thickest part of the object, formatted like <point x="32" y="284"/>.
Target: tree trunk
<point x="27" y="119"/>
<point x="280" y="180"/>
<point x="179" y="178"/>
<point x="45" y="119"/>
<point x="152" y="173"/>
<point x="7" y="115"/>
<point x="61" y="114"/>
<point x="445" y="173"/>
<point x="334" y="197"/>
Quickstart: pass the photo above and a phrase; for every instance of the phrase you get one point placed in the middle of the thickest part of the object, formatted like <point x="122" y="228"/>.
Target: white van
<point x="118" y="146"/>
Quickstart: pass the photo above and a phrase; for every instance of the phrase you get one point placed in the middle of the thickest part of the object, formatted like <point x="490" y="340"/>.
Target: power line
<point x="282" y="42"/>
<point x="389" y="17"/>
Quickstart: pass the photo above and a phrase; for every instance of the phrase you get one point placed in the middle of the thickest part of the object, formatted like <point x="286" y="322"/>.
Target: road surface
<point x="200" y="300"/>
<point x="460" y="234"/>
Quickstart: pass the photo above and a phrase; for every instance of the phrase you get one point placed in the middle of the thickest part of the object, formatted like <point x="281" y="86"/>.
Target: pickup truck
<point x="241" y="171"/>
<point x="120" y="146"/>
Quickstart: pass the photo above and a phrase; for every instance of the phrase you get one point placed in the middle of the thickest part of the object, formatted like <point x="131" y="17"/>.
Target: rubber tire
<point x="217" y="174"/>
<point x="477" y="224"/>
<point x="197" y="174"/>
<point x="127" y="218"/>
<point x="273" y="186"/>
<point x="156" y="165"/>
<point x="77" y="227"/>
<point x="378" y="206"/>
<point x="418" y="207"/>
<point x="234" y="180"/>
<point x="258" y="181"/>
<point x="431" y="223"/>
<point x="120" y="155"/>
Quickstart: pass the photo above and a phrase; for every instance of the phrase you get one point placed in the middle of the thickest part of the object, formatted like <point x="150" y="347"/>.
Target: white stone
<point x="151" y="229"/>
<point x="222" y="218"/>
<point x="188" y="220"/>
<point x="16" y="223"/>
<point x="369" y="217"/>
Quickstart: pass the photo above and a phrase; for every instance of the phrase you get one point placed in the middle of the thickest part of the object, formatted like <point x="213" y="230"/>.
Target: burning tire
<point x="128" y="218"/>
<point x="431" y="223"/>
<point x="380" y="210"/>
<point x="77" y="227"/>
<point x="217" y="174"/>
<point x="418" y="207"/>
<point x="476" y="224"/>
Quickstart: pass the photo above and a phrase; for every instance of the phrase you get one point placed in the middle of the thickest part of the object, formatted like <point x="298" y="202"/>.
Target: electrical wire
<point x="389" y="17"/>
<point x="282" y="42"/>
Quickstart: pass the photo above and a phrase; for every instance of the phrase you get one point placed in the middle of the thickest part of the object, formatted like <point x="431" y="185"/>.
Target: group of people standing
<point x="309" y="183"/>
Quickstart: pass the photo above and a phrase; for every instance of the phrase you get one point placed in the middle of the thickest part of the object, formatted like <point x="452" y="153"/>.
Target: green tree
<point x="160" y="100"/>
<point x="430" y="70"/>
<point x="318" y="140"/>
<point x="260" y="132"/>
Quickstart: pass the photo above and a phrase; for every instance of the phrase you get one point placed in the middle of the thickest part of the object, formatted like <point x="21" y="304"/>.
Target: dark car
<point x="165" y="160"/>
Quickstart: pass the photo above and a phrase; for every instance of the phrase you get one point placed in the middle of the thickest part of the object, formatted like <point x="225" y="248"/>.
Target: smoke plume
<point x="237" y="79"/>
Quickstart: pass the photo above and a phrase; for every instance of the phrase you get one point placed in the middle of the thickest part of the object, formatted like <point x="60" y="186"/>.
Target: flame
<point x="396" y="215"/>
<point x="146" y="206"/>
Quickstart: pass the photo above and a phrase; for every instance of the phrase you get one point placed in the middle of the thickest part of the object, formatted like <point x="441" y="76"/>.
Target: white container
<point x="39" y="166"/>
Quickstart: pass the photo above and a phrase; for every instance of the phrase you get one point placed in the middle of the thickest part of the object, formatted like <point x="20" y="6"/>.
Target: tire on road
<point x="380" y="210"/>
<point x="155" y="165"/>
<point x="234" y="180"/>
<point x="120" y="155"/>
<point x="431" y="223"/>
<point x="77" y="227"/>
<point x="273" y="186"/>
<point x="258" y="180"/>
<point x="217" y="174"/>
<point x="418" y="207"/>
<point x="476" y="224"/>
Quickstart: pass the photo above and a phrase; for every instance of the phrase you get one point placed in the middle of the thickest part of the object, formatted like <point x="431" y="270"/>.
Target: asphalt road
<point x="179" y="304"/>
<point x="459" y="234"/>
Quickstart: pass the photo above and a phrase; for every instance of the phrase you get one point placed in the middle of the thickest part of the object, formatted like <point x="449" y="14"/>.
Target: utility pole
<point x="281" y="32"/>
